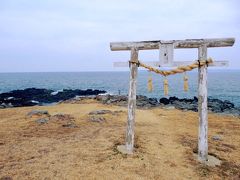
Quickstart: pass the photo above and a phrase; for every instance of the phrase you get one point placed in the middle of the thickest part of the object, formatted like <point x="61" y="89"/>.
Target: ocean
<point x="222" y="84"/>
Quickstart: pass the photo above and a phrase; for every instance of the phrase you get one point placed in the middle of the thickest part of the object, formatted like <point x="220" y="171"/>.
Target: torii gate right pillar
<point x="202" y="107"/>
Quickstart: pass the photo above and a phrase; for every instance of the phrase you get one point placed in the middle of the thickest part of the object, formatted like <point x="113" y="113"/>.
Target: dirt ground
<point x="165" y="144"/>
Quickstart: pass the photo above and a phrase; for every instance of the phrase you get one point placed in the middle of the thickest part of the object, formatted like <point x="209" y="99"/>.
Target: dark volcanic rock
<point x="165" y="101"/>
<point x="171" y="99"/>
<point x="143" y="101"/>
<point x="34" y="96"/>
<point x="153" y="101"/>
<point x="121" y="100"/>
<point x="112" y="99"/>
<point x="214" y="105"/>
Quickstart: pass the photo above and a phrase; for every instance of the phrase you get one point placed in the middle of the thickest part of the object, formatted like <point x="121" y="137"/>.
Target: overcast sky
<point x="74" y="35"/>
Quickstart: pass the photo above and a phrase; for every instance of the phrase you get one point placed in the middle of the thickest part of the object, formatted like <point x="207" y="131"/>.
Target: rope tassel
<point x="165" y="83"/>
<point x="185" y="86"/>
<point x="150" y="83"/>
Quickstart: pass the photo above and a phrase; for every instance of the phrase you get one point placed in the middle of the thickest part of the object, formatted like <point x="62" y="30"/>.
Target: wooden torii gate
<point x="166" y="49"/>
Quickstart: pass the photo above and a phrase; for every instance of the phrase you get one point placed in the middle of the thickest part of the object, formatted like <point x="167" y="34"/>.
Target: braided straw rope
<point x="179" y="69"/>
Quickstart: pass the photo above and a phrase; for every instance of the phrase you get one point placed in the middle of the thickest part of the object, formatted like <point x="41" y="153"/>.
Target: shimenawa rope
<point x="179" y="69"/>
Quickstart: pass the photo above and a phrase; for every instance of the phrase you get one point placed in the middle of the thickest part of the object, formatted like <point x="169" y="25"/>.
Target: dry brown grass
<point x="165" y="141"/>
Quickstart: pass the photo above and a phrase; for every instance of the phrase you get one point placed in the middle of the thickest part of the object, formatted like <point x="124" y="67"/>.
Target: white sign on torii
<point x="167" y="60"/>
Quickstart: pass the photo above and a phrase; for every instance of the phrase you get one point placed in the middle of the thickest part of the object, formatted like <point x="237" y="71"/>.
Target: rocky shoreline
<point x="34" y="96"/>
<point x="214" y="105"/>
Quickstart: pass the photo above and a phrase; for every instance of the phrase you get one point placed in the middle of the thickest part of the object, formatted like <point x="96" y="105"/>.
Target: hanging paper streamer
<point x="165" y="83"/>
<point x="185" y="86"/>
<point x="150" y="83"/>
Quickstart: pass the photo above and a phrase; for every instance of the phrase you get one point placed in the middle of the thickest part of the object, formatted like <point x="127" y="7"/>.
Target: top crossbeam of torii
<point x="167" y="49"/>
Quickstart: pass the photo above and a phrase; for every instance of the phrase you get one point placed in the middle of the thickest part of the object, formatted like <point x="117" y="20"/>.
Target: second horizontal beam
<point x="174" y="64"/>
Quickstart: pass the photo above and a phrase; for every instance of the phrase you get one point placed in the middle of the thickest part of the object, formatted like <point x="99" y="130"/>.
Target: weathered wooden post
<point x="132" y="100"/>
<point x="202" y="106"/>
<point x="128" y="148"/>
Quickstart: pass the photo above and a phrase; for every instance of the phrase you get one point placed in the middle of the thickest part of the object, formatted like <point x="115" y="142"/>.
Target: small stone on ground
<point x="71" y="125"/>
<point x="97" y="119"/>
<point x="97" y="112"/>
<point x="37" y="113"/>
<point x="42" y="121"/>
<point x="216" y="138"/>
<point x="122" y="149"/>
<point x="62" y="117"/>
<point x="212" y="161"/>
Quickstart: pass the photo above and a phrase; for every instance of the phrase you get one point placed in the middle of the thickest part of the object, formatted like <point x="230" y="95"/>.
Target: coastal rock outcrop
<point x="34" y="96"/>
<point x="121" y="100"/>
<point x="214" y="105"/>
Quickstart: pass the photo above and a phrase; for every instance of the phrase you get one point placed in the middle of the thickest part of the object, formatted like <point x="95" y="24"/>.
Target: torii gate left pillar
<point x="132" y="94"/>
<point x="132" y="101"/>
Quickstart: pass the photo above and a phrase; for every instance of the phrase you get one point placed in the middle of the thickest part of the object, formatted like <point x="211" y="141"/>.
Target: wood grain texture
<point x="202" y="107"/>
<point x="188" y="43"/>
<point x="132" y="101"/>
